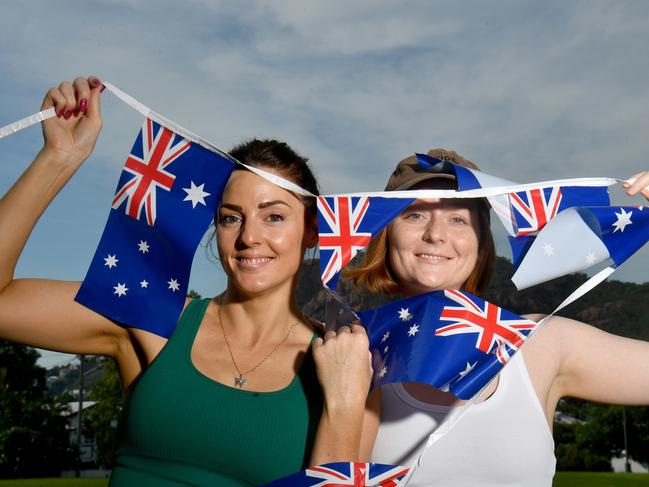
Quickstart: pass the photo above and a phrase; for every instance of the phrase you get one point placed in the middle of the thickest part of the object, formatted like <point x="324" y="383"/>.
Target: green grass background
<point x="562" y="479"/>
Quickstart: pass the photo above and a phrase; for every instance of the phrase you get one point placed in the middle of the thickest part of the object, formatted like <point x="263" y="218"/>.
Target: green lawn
<point x="596" y="479"/>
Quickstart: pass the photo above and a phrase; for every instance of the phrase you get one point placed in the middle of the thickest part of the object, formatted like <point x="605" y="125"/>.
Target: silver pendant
<point x="239" y="381"/>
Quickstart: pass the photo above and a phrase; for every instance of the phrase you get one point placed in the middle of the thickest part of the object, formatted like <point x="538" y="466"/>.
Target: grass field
<point x="597" y="479"/>
<point x="562" y="479"/>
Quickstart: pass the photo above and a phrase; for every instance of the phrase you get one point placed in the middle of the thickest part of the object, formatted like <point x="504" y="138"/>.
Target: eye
<point x="229" y="220"/>
<point x="459" y="220"/>
<point x="414" y="216"/>
<point x="275" y="217"/>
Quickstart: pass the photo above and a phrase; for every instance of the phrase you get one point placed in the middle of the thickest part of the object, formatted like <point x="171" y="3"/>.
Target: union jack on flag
<point x="449" y="339"/>
<point x="347" y="473"/>
<point x="159" y="147"/>
<point x="534" y="208"/>
<point x="346" y="225"/>
<point x="484" y="319"/>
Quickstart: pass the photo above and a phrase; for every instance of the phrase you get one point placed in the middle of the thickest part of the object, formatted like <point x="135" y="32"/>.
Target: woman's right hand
<point x="70" y="136"/>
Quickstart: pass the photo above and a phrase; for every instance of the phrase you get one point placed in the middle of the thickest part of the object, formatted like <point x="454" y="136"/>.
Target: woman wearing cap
<point x="506" y="437"/>
<point x="232" y="398"/>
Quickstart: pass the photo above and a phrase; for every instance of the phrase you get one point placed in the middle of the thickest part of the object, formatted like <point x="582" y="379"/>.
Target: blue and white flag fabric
<point x="346" y="225"/>
<point x="449" y="339"/>
<point x="579" y="238"/>
<point x="345" y="473"/>
<point x="166" y="198"/>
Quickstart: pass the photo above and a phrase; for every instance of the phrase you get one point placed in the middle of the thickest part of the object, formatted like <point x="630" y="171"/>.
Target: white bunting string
<point x="23" y="123"/>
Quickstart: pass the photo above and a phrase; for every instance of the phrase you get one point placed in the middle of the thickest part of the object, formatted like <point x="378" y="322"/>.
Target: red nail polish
<point x="68" y="114"/>
<point x="61" y="112"/>
<point x="83" y="105"/>
<point x="103" y="87"/>
<point x="95" y="82"/>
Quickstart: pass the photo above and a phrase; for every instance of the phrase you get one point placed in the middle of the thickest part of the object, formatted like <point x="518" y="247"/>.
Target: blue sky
<point x="528" y="90"/>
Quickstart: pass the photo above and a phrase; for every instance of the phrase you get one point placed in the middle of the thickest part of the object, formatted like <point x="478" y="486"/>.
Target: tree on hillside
<point x="34" y="439"/>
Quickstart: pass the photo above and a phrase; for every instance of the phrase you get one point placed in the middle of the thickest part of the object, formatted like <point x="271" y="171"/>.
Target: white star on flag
<point x="143" y="246"/>
<point x="195" y="194"/>
<point x="413" y="330"/>
<point x="404" y="314"/>
<point x="386" y="336"/>
<point x="548" y="249"/>
<point x="120" y="289"/>
<point x="383" y="371"/>
<point x="385" y="350"/>
<point x="173" y="285"/>
<point x="468" y="369"/>
<point x="590" y="258"/>
<point x="111" y="261"/>
<point x="144" y="283"/>
<point x="623" y="219"/>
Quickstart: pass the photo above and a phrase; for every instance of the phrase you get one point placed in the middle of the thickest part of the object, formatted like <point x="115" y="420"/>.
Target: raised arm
<point x="343" y="362"/>
<point x="43" y="313"/>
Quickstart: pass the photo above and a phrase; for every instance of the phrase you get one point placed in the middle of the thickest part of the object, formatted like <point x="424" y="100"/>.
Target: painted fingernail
<point x="83" y="105"/>
<point x="61" y="112"/>
<point x="68" y="114"/>
<point x="95" y="82"/>
<point x="103" y="87"/>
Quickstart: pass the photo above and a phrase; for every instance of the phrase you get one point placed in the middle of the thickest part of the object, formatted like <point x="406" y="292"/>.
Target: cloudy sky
<point x="528" y="90"/>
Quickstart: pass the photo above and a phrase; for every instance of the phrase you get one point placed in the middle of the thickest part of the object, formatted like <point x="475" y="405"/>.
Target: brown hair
<point x="376" y="273"/>
<point x="277" y="155"/>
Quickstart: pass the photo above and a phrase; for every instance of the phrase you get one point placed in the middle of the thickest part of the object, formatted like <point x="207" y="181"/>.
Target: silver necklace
<point x="241" y="380"/>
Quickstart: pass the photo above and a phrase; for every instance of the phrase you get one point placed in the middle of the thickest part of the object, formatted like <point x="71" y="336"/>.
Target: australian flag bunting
<point x="344" y="473"/>
<point x="579" y="238"/>
<point x="347" y="224"/>
<point x="449" y="339"/>
<point x="166" y="198"/>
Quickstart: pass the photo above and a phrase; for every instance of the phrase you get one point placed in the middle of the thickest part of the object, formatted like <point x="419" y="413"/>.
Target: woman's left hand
<point x="640" y="184"/>
<point x="343" y="363"/>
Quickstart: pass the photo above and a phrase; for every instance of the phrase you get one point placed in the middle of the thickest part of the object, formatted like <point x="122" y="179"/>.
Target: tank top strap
<point x="187" y="326"/>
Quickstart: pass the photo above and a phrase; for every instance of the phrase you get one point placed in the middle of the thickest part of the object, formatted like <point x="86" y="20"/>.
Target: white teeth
<point x="256" y="260"/>
<point x="432" y="257"/>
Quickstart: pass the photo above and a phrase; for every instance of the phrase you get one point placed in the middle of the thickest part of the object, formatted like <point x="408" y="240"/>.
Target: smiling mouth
<point x="432" y="258"/>
<point x="253" y="261"/>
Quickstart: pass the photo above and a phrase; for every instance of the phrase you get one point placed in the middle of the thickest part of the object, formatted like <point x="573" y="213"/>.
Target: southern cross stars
<point x="404" y="314"/>
<point x="195" y="194"/>
<point x="548" y="249"/>
<point x="623" y="219"/>
<point x="120" y="289"/>
<point x="413" y="330"/>
<point x="144" y="283"/>
<point x="173" y="285"/>
<point x="111" y="261"/>
<point x="386" y="336"/>
<point x="382" y="372"/>
<point x="143" y="246"/>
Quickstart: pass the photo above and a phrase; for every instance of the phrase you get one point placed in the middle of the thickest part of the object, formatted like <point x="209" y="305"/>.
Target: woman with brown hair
<point x="506" y="437"/>
<point x="245" y="389"/>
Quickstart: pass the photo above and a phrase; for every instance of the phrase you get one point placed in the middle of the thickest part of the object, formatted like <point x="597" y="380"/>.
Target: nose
<point x="250" y="233"/>
<point x="435" y="231"/>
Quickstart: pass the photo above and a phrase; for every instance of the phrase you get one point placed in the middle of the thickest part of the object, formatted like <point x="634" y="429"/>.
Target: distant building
<point x="88" y="447"/>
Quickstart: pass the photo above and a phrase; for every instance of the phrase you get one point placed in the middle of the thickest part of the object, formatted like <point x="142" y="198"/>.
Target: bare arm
<point x="38" y="312"/>
<point x="344" y="369"/>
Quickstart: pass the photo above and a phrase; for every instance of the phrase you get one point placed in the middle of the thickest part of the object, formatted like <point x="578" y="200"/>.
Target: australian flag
<point x="345" y="473"/>
<point x="347" y="224"/>
<point x="166" y="198"/>
<point x="449" y="339"/>
<point x="579" y="238"/>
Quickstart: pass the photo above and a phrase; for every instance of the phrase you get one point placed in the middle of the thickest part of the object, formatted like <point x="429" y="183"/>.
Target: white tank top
<point x="503" y="441"/>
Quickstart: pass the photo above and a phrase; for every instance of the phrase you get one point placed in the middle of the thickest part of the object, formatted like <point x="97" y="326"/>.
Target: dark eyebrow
<point x="266" y="204"/>
<point x="263" y="205"/>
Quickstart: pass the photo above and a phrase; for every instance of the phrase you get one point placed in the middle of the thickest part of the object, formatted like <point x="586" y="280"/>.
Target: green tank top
<point x="179" y="427"/>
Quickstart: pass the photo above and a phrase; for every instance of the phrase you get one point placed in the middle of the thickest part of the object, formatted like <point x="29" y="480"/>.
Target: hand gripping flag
<point x="449" y="339"/>
<point x="166" y="198"/>
<point x="340" y="474"/>
<point x="346" y="224"/>
<point x="579" y="238"/>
